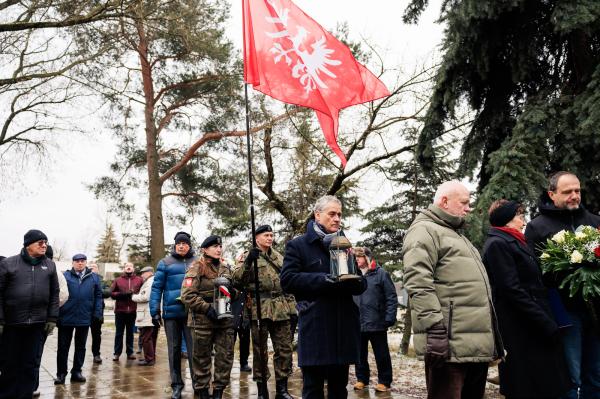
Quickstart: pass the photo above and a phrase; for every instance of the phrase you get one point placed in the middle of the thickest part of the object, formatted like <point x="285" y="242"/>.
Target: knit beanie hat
<point x="33" y="236"/>
<point x="182" y="236"/>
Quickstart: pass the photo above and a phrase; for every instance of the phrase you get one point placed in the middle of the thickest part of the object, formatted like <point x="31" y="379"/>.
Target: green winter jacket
<point x="446" y="281"/>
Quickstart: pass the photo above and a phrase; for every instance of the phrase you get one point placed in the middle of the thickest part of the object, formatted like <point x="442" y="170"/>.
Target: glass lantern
<point x="343" y="264"/>
<point x="222" y="298"/>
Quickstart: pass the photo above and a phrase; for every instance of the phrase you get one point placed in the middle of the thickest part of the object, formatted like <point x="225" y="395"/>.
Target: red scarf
<point x="515" y="233"/>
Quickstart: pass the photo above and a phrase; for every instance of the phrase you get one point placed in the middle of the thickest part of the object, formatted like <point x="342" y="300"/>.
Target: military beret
<point x="210" y="241"/>
<point x="263" y="229"/>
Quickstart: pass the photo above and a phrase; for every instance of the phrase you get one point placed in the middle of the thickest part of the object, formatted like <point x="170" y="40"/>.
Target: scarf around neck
<point x="325" y="237"/>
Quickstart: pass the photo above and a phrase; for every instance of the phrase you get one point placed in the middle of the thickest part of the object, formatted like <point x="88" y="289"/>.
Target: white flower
<point x="559" y="237"/>
<point x="576" y="257"/>
<point x="580" y="235"/>
<point x="544" y="256"/>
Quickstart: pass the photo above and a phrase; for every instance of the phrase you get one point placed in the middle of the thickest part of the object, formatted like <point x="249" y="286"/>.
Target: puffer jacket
<point x="122" y="290"/>
<point x="85" y="299"/>
<point x="167" y="286"/>
<point x="447" y="281"/>
<point x="379" y="303"/>
<point x="28" y="293"/>
<point x="143" y="318"/>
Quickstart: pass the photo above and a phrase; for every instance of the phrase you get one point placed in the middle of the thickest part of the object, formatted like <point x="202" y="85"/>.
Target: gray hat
<point x="147" y="269"/>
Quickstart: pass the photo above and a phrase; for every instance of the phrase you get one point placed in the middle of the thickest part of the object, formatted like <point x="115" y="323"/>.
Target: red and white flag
<point x="225" y="291"/>
<point x="290" y="57"/>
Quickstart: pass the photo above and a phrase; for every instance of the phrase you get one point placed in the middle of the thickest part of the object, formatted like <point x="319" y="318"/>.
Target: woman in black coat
<point x="534" y="365"/>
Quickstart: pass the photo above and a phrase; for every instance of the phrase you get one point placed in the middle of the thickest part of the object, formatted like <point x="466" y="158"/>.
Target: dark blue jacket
<point x="328" y="320"/>
<point x="167" y="286"/>
<point x="379" y="303"/>
<point x="85" y="299"/>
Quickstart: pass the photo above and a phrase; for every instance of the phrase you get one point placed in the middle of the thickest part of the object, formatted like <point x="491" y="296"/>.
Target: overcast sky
<point x="56" y="200"/>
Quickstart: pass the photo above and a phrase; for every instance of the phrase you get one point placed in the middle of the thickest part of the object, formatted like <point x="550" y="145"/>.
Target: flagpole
<point x="262" y="345"/>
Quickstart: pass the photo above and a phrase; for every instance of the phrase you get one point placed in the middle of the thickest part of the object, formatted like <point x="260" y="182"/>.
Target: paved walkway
<point x="125" y="379"/>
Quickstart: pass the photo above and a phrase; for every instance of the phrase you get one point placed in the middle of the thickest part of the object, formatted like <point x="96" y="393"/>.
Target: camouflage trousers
<point x="282" y="346"/>
<point x="204" y="340"/>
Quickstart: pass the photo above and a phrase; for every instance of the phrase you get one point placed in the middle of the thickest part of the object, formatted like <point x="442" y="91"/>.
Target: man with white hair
<point x="453" y="319"/>
<point x="328" y="318"/>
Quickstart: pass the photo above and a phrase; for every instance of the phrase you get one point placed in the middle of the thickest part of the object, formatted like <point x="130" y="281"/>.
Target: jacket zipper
<point x="32" y="291"/>
<point x="450" y="313"/>
<point x="129" y="289"/>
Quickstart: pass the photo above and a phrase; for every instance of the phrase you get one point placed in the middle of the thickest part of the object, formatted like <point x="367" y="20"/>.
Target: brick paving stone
<point x="125" y="379"/>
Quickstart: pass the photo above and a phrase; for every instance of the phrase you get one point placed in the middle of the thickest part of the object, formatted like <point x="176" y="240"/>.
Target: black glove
<point x="157" y="320"/>
<point x="331" y="279"/>
<point x="390" y="323"/>
<point x="49" y="327"/>
<point x="438" y="347"/>
<point x="99" y="320"/>
<point x="211" y="313"/>
<point x="253" y="255"/>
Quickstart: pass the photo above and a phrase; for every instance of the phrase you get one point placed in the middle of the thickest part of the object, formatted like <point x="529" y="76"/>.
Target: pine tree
<point x="530" y="72"/>
<point x="108" y="248"/>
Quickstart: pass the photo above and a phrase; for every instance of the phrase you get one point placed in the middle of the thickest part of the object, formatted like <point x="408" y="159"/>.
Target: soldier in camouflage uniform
<point x="276" y="309"/>
<point x="197" y="293"/>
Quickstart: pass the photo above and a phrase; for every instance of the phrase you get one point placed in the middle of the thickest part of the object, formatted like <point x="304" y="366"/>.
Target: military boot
<point x="281" y="389"/>
<point x="202" y="393"/>
<point x="217" y="393"/>
<point x="259" y="390"/>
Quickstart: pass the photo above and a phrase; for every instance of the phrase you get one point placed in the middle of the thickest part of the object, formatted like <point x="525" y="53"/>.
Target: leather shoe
<point x="97" y="359"/>
<point x="177" y="393"/>
<point x="116" y="358"/>
<point x="244" y="368"/>
<point x="131" y="357"/>
<point x="143" y="362"/>
<point x="77" y="377"/>
<point x="36" y="394"/>
<point x="60" y="379"/>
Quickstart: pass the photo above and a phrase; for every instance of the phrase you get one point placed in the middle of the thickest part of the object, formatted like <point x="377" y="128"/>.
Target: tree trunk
<point x="157" y="229"/>
<point x="407" y="330"/>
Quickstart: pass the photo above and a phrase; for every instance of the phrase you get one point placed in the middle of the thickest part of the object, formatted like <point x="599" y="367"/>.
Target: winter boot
<point x="217" y="393"/>
<point x="202" y="393"/>
<point x="281" y="389"/>
<point x="260" y="391"/>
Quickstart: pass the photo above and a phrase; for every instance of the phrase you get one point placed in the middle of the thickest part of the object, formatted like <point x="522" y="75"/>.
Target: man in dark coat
<point x="328" y="319"/>
<point x="560" y="209"/>
<point x="28" y="309"/>
<point x="378" y="307"/>
<point x="96" y="327"/>
<point x="75" y="316"/>
<point x="534" y="366"/>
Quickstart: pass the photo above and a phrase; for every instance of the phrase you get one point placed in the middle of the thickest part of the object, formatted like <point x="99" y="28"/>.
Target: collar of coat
<point x="84" y="273"/>
<point x="443" y="218"/>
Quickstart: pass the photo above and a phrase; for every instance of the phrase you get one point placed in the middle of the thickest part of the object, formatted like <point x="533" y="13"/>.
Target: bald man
<point x="453" y="320"/>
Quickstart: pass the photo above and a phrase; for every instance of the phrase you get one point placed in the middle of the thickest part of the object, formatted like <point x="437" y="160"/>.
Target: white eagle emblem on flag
<point x="310" y="64"/>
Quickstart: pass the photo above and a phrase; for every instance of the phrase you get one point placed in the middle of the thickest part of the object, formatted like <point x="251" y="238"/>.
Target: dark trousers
<point x="244" y="334"/>
<point x="19" y="347"/>
<point x="379" y="343"/>
<point x="148" y="335"/>
<point x="65" y="335"/>
<point x="124" y="322"/>
<point x="313" y="379"/>
<point x="174" y="328"/>
<point x="38" y="362"/>
<point x="96" y="331"/>
<point x="456" y="380"/>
